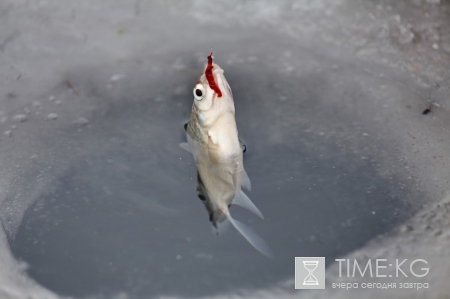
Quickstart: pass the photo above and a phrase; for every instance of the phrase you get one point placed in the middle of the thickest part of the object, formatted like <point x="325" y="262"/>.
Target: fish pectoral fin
<point x="213" y="151"/>
<point x="242" y="145"/>
<point x="185" y="146"/>
<point x="242" y="200"/>
<point x="212" y="136"/>
<point x="257" y="242"/>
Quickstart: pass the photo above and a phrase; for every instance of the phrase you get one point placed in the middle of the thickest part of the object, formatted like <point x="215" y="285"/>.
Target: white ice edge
<point x="14" y="282"/>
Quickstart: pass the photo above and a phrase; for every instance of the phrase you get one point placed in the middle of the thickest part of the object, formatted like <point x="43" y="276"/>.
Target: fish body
<point x="213" y="140"/>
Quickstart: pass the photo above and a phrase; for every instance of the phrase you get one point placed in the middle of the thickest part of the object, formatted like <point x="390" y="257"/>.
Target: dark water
<point x="124" y="216"/>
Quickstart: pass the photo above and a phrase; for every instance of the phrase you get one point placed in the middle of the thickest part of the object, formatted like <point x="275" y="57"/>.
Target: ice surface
<point x="329" y="98"/>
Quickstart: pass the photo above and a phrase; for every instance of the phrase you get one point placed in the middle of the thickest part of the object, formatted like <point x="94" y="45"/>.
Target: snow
<point x="69" y="65"/>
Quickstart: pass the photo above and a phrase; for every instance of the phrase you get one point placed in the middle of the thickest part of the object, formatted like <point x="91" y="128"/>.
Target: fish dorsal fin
<point x="242" y="200"/>
<point x="251" y="237"/>
<point x="185" y="146"/>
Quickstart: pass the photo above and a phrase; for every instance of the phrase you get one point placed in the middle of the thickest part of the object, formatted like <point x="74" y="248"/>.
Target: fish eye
<point x="199" y="92"/>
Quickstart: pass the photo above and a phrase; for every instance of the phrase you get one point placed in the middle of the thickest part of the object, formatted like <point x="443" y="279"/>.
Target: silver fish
<point x="213" y="140"/>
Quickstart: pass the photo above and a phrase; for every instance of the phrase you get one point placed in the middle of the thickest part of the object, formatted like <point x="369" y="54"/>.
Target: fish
<point x="212" y="138"/>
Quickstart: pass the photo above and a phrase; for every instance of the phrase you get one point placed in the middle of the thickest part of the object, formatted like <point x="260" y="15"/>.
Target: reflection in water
<point x="213" y="140"/>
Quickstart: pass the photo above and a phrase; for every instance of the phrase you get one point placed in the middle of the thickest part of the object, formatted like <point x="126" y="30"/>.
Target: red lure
<point x="210" y="77"/>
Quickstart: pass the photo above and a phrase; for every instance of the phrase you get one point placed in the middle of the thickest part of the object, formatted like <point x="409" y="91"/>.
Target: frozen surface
<point x="97" y="199"/>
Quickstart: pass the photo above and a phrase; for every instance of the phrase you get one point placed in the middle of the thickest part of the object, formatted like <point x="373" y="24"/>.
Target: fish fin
<point x="220" y="227"/>
<point x="243" y="147"/>
<point x="242" y="200"/>
<point x="186" y="126"/>
<point x="213" y="152"/>
<point x="185" y="146"/>
<point x="246" y="181"/>
<point x="251" y="237"/>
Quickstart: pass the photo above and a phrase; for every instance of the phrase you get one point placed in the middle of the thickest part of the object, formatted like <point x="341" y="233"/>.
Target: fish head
<point x="212" y="93"/>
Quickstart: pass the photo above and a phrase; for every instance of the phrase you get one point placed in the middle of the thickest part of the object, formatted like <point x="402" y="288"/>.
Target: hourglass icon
<point x="310" y="279"/>
<point x="309" y="273"/>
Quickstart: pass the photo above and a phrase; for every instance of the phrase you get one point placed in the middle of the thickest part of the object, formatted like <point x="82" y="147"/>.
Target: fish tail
<point x="253" y="238"/>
